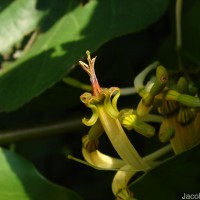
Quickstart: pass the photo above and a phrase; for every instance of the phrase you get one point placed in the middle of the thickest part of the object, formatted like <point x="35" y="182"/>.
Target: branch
<point x="41" y="131"/>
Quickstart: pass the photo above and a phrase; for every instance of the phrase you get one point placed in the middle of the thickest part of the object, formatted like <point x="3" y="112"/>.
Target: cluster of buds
<point x="179" y="112"/>
<point x="177" y="103"/>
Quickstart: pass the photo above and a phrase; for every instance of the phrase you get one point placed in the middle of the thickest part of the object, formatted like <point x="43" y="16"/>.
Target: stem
<point x="77" y="84"/>
<point x="158" y="153"/>
<point x="127" y="91"/>
<point x="178" y="11"/>
<point x="40" y="131"/>
<point x="139" y="79"/>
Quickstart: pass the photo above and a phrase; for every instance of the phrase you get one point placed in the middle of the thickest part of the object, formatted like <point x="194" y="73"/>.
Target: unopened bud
<point x="161" y="81"/>
<point x="133" y="122"/>
<point x="167" y="135"/>
<point x="182" y="86"/>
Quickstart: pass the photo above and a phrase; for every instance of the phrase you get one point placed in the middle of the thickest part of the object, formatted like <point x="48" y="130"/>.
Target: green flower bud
<point x="142" y="109"/>
<point x="133" y="122"/>
<point x="148" y="99"/>
<point x="182" y="86"/>
<point x="161" y="81"/>
<point x="167" y="135"/>
<point x="91" y="141"/>
<point x="189" y="101"/>
<point x="184" y="99"/>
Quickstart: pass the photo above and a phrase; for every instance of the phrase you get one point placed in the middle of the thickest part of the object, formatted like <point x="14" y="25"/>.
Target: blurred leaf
<point x="16" y="20"/>
<point x="172" y="179"/>
<point x="56" y="50"/>
<point x="19" y="180"/>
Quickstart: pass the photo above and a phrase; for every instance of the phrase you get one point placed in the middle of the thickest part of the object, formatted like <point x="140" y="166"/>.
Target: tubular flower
<point x="103" y="103"/>
<point x="106" y="118"/>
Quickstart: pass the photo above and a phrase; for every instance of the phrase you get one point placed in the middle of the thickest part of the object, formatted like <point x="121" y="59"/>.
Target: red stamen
<point x="91" y="72"/>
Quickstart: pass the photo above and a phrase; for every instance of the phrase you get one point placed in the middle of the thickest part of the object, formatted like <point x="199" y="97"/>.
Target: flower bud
<point x="167" y="135"/>
<point x="182" y="86"/>
<point x="132" y="122"/>
<point x="161" y="81"/>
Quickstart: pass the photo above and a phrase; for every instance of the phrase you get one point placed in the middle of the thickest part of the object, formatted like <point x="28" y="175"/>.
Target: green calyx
<point x="186" y="115"/>
<point x="182" y="86"/>
<point x="91" y="140"/>
<point x="185" y="99"/>
<point x="106" y="98"/>
<point x="131" y="121"/>
<point x="168" y="107"/>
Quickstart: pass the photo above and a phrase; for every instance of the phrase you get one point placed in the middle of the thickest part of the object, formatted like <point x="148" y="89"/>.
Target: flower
<point x="103" y="103"/>
<point x="107" y="118"/>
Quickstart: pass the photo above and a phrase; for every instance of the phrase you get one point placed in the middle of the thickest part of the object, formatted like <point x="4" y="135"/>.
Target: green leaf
<point x="172" y="179"/>
<point x="19" y="180"/>
<point x="57" y="49"/>
<point x="16" y="20"/>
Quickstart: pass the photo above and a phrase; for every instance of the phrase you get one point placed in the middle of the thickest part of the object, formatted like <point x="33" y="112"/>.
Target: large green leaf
<point x="16" y="20"/>
<point x="19" y="180"/>
<point x="59" y="47"/>
<point x="172" y="179"/>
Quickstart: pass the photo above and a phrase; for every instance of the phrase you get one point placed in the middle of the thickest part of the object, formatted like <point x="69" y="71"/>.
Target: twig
<point x="40" y="131"/>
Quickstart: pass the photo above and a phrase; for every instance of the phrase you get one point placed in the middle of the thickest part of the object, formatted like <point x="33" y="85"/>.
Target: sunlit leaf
<point x="17" y="19"/>
<point x="62" y="44"/>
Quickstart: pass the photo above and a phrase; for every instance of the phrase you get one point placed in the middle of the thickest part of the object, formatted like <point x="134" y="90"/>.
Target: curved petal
<point x="111" y="105"/>
<point x="85" y="96"/>
<point x="102" y="161"/>
<point x="120" y="181"/>
<point x="119" y="140"/>
<point x="91" y="121"/>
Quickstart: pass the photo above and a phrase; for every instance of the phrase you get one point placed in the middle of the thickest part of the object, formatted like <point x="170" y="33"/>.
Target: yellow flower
<point x="106" y="117"/>
<point x="103" y="103"/>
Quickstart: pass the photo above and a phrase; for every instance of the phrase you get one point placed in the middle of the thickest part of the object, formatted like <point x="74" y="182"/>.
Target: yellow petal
<point x="102" y="161"/>
<point x="119" y="140"/>
<point x="121" y="180"/>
